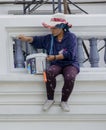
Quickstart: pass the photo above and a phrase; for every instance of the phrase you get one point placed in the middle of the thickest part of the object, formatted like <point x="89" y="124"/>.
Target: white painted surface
<point x="22" y="95"/>
<point x="85" y="26"/>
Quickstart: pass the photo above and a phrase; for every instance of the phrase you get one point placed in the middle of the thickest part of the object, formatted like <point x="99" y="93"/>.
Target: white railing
<point x="84" y="26"/>
<point x="89" y="53"/>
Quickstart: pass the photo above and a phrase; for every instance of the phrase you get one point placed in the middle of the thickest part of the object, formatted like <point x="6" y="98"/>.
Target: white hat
<point x="56" y="19"/>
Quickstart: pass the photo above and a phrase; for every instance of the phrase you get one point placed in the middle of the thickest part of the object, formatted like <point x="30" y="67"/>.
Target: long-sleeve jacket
<point x="68" y="47"/>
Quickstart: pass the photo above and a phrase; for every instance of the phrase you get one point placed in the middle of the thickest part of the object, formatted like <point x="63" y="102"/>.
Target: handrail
<point x="77" y="7"/>
<point x="38" y="4"/>
<point x="20" y="52"/>
<point x="35" y="7"/>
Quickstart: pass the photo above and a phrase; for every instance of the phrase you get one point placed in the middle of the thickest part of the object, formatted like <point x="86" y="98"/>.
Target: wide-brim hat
<point x="56" y="19"/>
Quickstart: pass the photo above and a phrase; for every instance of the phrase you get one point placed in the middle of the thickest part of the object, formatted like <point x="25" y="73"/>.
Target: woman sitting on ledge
<point x="61" y="48"/>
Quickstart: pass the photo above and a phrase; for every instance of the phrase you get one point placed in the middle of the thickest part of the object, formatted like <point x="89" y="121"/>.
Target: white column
<point x="3" y="50"/>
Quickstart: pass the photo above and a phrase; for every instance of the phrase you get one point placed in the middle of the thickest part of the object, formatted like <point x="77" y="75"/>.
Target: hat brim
<point x="53" y="24"/>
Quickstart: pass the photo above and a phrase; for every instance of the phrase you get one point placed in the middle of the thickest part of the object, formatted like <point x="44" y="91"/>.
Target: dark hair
<point x="65" y="27"/>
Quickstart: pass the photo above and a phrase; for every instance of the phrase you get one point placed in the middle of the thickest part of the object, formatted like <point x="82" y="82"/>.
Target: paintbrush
<point x="44" y="73"/>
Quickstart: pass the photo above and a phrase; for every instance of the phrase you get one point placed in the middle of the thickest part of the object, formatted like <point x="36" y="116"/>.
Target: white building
<point x="22" y="95"/>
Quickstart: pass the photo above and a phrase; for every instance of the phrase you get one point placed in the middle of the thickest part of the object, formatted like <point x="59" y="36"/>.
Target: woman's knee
<point x="70" y="74"/>
<point x="53" y="71"/>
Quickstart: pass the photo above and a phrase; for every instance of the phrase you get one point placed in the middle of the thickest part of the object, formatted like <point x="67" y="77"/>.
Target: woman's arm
<point x="25" y="38"/>
<point x="55" y="57"/>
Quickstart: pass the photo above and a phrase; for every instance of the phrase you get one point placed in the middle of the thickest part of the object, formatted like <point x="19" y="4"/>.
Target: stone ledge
<point x="86" y="74"/>
<point x="52" y="117"/>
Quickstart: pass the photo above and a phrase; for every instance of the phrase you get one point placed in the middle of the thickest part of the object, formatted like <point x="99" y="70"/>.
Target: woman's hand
<point x="50" y="58"/>
<point x="25" y="38"/>
<point x="55" y="57"/>
<point x="22" y="38"/>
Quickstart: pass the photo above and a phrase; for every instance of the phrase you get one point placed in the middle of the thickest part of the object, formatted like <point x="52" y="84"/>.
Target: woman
<point x="61" y="48"/>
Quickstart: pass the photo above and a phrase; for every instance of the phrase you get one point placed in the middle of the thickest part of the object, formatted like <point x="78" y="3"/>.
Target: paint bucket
<point x="35" y="63"/>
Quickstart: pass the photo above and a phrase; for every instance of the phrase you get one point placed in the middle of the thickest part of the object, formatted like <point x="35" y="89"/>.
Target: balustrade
<point x="23" y="49"/>
<point x="94" y="55"/>
<point x="18" y="54"/>
<point x="105" y="52"/>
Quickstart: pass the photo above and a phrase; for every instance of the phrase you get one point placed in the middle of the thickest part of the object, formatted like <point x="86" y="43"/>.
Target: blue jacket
<point x="68" y="47"/>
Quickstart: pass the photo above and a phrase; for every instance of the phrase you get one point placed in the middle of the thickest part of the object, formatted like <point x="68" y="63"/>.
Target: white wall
<point x="22" y="95"/>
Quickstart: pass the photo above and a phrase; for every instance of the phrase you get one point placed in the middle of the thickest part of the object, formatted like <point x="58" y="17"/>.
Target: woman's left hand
<point x="50" y="58"/>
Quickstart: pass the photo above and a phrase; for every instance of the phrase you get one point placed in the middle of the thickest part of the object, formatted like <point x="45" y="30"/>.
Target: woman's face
<point x="56" y="31"/>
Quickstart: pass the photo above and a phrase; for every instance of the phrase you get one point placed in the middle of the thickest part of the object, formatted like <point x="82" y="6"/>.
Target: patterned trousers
<point x="69" y="73"/>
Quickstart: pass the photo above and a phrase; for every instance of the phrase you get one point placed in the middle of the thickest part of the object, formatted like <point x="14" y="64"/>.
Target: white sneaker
<point x="48" y="104"/>
<point x="65" y="106"/>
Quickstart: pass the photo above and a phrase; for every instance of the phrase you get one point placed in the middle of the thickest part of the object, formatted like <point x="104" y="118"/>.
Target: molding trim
<point x="52" y="117"/>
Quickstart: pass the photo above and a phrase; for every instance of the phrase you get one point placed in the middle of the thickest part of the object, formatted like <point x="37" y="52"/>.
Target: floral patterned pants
<point x="69" y="73"/>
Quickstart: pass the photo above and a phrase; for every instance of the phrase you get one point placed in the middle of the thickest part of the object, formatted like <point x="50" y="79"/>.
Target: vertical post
<point x="105" y="52"/>
<point x="19" y="58"/>
<point x="27" y="48"/>
<point x="24" y="10"/>
<point x="53" y="6"/>
<point x="94" y="55"/>
<point x="65" y="7"/>
<point x="30" y="49"/>
<point x="81" y="57"/>
<point x="59" y="6"/>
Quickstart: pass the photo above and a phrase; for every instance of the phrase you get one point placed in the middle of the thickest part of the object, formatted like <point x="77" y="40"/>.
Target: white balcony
<point x="22" y="94"/>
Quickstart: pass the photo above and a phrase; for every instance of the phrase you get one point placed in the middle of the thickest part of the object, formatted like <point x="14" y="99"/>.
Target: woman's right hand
<point x="25" y="38"/>
<point x="22" y="38"/>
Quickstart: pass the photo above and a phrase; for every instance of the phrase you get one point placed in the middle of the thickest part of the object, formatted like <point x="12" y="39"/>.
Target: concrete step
<point x="22" y="97"/>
